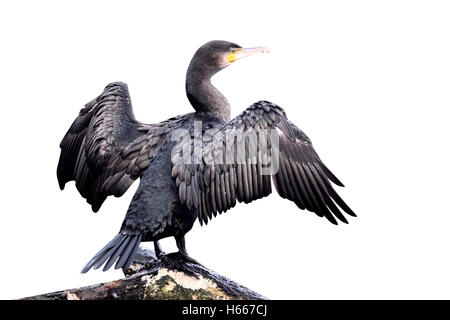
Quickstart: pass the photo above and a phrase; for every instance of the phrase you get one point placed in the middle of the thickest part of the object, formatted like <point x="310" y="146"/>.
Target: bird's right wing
<point x="106" y="149"/>
<point x="239" y="162"/>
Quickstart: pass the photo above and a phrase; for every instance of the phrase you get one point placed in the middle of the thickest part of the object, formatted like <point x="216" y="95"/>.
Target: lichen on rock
<point x="173" y="284"/>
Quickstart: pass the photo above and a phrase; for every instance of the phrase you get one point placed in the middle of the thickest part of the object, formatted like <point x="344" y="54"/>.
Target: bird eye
<point x="232" y="50"/>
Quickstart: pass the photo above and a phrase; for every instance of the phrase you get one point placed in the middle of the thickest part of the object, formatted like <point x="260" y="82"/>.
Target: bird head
<point x="215" y="55"/>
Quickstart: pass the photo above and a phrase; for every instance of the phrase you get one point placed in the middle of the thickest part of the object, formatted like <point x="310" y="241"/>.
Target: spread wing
<point x="238" y="164"/>
<point x="106" y="149"/>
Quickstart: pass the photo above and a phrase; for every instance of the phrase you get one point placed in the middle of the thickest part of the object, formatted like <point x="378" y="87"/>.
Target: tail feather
<point x="99" y="262"/>
<point x="132" y="254"/>
<point x="116" y="254"/>
<point x="102" y="253"/>
<point x="122" y="247"/>
<point x="126" y="253"/>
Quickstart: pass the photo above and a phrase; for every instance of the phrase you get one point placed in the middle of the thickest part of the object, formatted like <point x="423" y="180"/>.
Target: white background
<point x="368" y="81"/>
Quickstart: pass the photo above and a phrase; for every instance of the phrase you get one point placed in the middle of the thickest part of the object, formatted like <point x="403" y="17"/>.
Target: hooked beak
<point x="238" y="53"/>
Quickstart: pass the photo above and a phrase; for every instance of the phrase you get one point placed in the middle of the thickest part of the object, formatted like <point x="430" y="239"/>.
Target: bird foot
<point x="178" y="256"/>
<point x="160" y="254"/>
<point x="164" y="258"/>
<point x="186" y="257"/>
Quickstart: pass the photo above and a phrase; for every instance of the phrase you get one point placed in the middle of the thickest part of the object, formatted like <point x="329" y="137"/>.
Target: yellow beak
<point x="238" y="53"/>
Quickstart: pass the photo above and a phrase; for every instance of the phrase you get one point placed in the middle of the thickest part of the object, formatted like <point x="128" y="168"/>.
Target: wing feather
<point x="301" y="176"/>
<point x="106" y="149"/>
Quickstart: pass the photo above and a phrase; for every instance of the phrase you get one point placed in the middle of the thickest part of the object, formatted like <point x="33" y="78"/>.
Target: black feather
<point x="118" y="250"/>
<point x="102" y="252"/>
<point x="133" y="253"/>
<point x="126" y="253"/>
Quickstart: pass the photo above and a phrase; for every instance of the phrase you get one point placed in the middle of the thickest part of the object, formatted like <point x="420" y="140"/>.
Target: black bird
<point x="106" y="149"/>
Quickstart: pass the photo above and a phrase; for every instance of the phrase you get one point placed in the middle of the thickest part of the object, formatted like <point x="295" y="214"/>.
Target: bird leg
<point x="158" y="251"/>
<point x="181" y="244"/>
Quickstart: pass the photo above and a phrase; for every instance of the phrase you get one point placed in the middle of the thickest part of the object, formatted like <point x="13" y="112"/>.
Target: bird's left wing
<point x="239" y="162"/>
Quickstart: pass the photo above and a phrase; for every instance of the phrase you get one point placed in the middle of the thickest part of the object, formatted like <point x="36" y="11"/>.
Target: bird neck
<point x="203" y="96"/>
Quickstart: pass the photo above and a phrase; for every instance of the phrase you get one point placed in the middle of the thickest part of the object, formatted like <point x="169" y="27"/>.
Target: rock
<point x="150" y="278"/>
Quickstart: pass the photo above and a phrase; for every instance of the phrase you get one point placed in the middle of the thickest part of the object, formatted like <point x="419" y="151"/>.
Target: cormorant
<point x="185" y="177"/>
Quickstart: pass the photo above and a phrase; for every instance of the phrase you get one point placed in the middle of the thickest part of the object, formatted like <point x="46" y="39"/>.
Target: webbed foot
<point x="188" y="258"/>
<point x="181" y="244"/>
